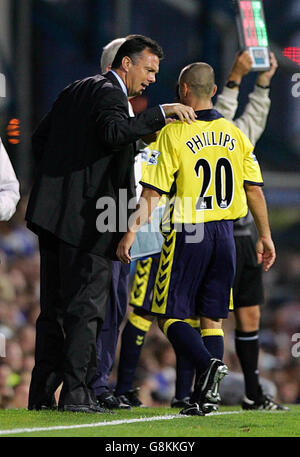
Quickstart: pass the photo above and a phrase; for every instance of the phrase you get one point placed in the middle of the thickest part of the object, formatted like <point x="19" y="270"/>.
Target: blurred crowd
<point x="279" y="361"/>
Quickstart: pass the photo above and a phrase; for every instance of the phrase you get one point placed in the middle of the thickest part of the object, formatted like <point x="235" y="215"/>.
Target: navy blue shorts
<point x="195" y="278"/>
<point x="143" y="284"/>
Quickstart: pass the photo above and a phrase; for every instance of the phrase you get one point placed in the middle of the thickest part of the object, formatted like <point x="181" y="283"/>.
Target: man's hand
<point x="183" y="112"/>
<point x="265" y="251"/>
<point x="146" y="204"/>
<point x="264" y="78"/>
<point x="124" y="246"/>
<point x="241" y="67"/>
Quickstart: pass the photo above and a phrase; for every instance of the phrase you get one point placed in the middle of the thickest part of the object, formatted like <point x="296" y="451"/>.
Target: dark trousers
<point x="73" y="296"/>
<point x="108" y="336"/>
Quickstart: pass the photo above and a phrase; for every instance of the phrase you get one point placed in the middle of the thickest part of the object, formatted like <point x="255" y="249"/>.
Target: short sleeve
<point x="252" y="171"/>
<point x="159" y="173"/>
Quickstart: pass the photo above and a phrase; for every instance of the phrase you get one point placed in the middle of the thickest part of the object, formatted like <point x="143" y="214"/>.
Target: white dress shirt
<point x="9" y="186"/>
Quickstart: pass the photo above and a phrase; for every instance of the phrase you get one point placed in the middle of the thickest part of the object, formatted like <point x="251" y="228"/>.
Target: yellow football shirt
<point x="205" y="164"/>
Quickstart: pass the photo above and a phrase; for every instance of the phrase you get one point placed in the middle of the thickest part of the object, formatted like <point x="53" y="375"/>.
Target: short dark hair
<point x="200" y="76"/>
<point x="133" y="46"/>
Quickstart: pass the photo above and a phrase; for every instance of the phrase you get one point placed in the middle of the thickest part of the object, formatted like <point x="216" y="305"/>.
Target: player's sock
<point x="187" y="342"/>
<point x="185" y="370"/>
<point x="132" y="342"/>
<point x="247" y="349"/>
<point x="213" y="338"/>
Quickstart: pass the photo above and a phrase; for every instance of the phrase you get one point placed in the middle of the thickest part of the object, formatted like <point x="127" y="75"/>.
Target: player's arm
<point x="147" y="202"/>
<point x="157" y="179"/>
<point x="265" y="248"/>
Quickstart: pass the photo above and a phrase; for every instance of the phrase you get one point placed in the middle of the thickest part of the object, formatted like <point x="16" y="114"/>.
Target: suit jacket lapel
<point x="109" y="75"/>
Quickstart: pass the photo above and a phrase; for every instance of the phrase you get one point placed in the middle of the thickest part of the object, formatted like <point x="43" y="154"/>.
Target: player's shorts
<point x="248" y="283"/>
<point x="195" y="278"/>
<point x="143" y="284"/>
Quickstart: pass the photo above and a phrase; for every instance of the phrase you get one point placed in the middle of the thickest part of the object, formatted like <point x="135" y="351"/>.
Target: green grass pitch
<point x="151" y="422"/>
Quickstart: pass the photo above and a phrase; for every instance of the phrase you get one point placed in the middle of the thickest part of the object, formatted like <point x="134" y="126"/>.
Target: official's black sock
<point x="132" y="342"/>
<point x="247" y="350"/>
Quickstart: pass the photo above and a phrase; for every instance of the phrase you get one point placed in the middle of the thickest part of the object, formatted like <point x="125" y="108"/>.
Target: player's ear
<point x="214" y="90"/>
<point x="185" y="89"/>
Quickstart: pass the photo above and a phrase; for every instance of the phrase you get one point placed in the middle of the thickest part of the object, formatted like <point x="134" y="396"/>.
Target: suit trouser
<point x="108" y="336"/>
<point x="74" y="293"/>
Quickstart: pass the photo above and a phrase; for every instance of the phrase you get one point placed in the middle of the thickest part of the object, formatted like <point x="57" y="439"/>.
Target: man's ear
<point x="185" y="89"/>
<point x="214" y="90"/>
<point x="126" y="63"/>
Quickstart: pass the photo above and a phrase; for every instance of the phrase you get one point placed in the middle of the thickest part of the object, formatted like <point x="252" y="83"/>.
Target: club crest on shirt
<point x="153" y="158"/>
<point x="144" y="154"/>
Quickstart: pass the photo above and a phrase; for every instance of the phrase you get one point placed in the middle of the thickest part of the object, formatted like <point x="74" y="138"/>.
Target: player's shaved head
<point x="200" y="77"/>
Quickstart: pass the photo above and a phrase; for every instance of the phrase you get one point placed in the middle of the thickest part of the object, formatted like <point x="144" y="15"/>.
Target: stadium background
<point x="45" y="45"/>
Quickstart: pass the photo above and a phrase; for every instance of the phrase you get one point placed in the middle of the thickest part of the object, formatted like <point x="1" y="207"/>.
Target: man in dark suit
<point x="85" y="149"/>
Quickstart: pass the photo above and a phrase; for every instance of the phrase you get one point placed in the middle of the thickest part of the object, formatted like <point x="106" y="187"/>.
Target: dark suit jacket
<point x="85" y="150"/>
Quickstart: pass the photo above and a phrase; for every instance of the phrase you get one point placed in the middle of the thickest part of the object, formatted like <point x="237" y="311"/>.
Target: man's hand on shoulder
<point x="183" y="112"/>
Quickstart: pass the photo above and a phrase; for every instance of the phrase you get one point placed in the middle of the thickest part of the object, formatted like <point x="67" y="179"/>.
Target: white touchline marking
<point x="103" y="424"/>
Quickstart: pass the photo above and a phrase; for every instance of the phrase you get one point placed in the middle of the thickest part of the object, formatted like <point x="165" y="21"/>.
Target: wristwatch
<point x="232" y="84"/>
<point x="262" y="87"/>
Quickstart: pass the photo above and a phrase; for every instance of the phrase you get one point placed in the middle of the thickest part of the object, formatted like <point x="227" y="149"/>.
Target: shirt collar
<point x="208" y="115"/>
<point x="121" y="82"/>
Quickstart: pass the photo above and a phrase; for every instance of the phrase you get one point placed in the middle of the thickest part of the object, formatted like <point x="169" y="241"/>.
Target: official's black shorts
<point x="248" y="283"/>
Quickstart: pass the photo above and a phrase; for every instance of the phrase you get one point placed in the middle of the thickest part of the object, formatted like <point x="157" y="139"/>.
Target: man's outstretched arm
<point x="227" y="101"/>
